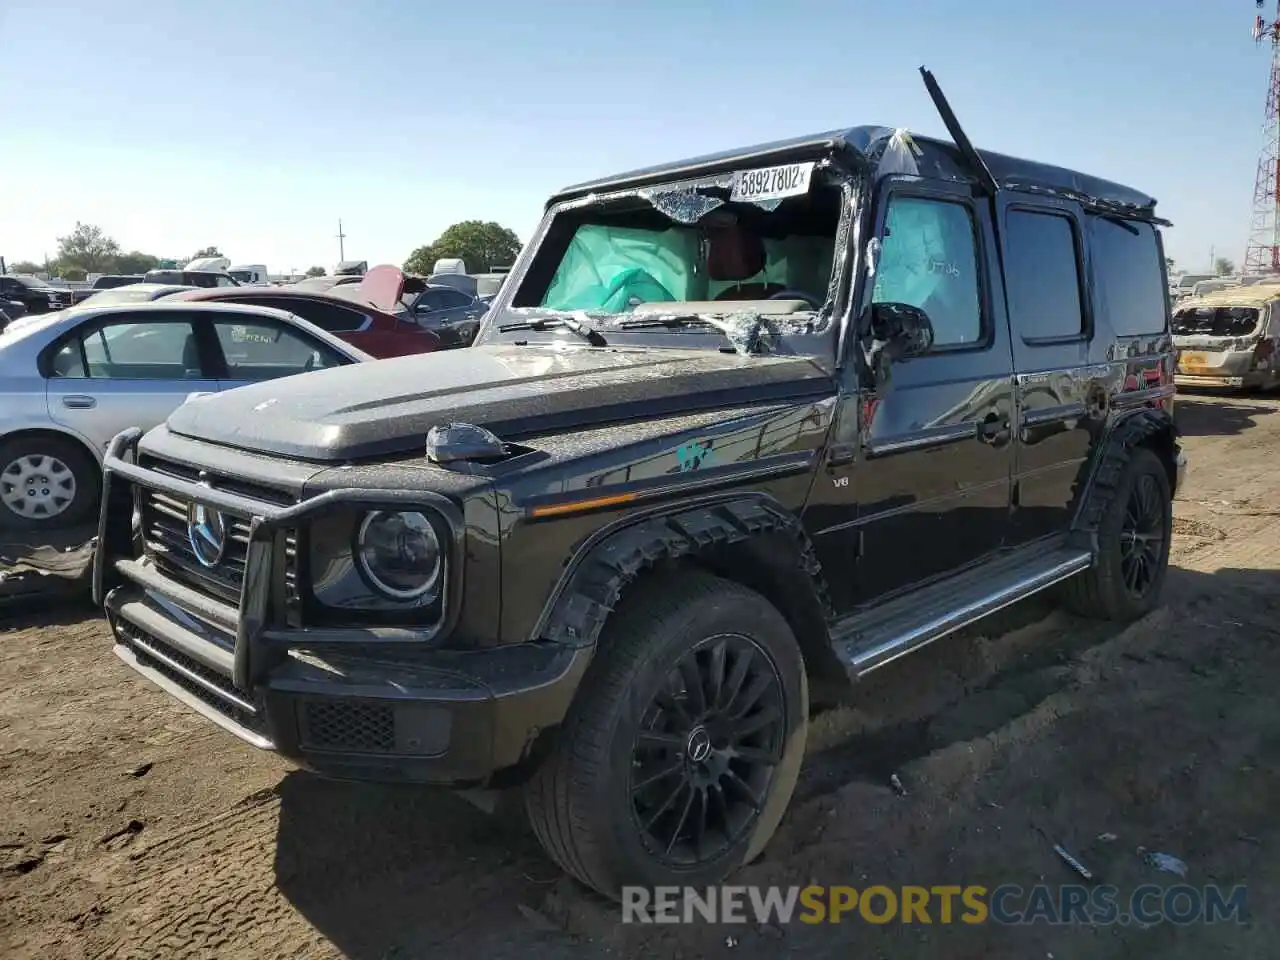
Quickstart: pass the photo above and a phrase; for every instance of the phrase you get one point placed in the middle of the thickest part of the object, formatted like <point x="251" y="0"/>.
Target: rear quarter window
<point x="1128" y="282"/>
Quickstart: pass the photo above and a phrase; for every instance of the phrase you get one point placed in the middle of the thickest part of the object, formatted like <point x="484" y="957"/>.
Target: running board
<point x="883" y="634"/>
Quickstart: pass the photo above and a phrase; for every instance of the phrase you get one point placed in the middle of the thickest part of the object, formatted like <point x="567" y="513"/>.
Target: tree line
<point x="88" y="249"/>
<point x="482" y="245"/>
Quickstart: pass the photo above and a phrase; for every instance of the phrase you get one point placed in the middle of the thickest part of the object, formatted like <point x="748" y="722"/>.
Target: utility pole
<point x="342" y="251"/>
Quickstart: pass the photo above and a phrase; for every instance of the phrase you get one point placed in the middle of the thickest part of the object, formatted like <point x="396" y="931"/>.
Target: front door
<point x="131" y="370"/>
<point x="256" y="348"/>
<point x="927" y="490"/>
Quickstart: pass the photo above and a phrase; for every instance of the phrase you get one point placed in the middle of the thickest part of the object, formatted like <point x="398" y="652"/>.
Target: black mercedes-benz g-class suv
<point x="733" y="426"/>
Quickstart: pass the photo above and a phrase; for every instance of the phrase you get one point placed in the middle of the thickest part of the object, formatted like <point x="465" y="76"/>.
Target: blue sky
<point x="255" y="126"/>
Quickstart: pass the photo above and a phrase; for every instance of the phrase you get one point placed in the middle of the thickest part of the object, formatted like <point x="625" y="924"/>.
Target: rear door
<point x="1051" y="325"/>
<point x="127" y="369"/>
<point x="256" y="348"/>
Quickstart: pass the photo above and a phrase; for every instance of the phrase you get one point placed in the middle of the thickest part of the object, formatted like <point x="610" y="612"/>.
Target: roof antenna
<point x="972" y="159"/>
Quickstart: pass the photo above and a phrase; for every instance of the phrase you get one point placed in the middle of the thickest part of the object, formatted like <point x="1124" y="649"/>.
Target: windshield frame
<point x="821" y="341"/>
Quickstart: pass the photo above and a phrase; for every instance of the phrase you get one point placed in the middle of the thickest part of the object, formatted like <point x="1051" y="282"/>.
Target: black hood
<point x="386" y="407"/>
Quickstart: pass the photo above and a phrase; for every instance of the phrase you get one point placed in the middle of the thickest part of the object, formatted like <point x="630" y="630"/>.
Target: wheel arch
<point x="57" y="433"/>
<point x="1153" y="429"/>
<point x="749" y="539"/>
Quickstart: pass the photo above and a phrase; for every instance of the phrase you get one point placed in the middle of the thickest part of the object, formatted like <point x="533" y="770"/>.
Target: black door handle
<point x="994" y="430"/>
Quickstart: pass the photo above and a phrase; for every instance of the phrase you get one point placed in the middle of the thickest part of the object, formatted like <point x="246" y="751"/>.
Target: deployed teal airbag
<point x="613" y="268"/>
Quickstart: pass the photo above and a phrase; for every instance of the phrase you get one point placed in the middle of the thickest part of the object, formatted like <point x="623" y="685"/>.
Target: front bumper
<point x="354" y="703"/>
<point x="1248" y="381"/>
<point x="1197" y="380"/>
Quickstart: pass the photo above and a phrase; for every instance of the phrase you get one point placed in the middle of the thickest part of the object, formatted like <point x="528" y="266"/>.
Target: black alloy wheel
<point x="1142" y="536"/>
<point x="705" y="754"/>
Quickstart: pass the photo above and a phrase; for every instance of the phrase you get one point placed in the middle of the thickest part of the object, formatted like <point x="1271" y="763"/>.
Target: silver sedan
<point x="74" y="379"/>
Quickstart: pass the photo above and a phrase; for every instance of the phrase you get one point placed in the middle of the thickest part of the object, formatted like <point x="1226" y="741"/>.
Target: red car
<point x="370" y="317"/>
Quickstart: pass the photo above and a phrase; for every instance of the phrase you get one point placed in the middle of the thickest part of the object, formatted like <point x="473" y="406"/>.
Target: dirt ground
<point x="129" y="827"/>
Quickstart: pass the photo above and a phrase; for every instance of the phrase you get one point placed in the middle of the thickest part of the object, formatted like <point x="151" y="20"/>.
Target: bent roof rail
<point x="862" y="146"/>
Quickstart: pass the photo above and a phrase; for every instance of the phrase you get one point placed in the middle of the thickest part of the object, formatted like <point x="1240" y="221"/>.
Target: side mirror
<point x="898" y="331"/>
<point x="905" y="330"/>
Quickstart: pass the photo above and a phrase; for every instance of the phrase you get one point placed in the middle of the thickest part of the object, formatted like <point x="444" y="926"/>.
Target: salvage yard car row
<point x="72" y="378"/>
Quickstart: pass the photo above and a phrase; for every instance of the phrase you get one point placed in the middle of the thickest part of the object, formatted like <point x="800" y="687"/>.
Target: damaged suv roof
<point x="936" y="159"/>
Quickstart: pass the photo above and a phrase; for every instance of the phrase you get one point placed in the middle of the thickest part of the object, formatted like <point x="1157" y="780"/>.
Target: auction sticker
<point x="772" y="183"/>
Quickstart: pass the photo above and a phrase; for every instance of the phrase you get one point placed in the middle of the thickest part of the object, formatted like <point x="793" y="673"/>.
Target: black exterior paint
<point x="860" y="489"/>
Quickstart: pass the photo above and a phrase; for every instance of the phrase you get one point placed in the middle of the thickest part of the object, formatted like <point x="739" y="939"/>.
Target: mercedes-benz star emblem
<point x="699" y="746"/>
<point x="207" y="533"/>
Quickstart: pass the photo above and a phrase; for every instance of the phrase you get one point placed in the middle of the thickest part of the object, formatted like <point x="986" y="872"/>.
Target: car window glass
<point x="151" y="350"/>
<point x="264" y="349"/>
<point x="430" y="300"/>
<point x="326" y="316"/>
<point x="453" y="298"/>
<point x="928" y="259"/>
<point x="68" y="362"/>
<point x="1042" y="275"/>
<point x="1127" y="271"/>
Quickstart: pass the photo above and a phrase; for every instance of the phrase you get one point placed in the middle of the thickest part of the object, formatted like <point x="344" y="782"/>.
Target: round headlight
<point x="400" y="554"/>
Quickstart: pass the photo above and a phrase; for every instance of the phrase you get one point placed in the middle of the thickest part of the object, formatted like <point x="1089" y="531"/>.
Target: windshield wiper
<point x="743" y="335"/>
<point x="573" y="324"/>
<point x="671" y="321"/>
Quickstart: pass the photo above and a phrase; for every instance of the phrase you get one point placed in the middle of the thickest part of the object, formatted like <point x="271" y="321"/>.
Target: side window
<point x="122" y="350"/>
<point x="929" y="259"/>
<point x="453" y="298"/>
<point x="264" y="349"/>
<point x="430" y="300"/>
<point x="68" y="362"/>
<point x="1128" y="287"/>
<point x="326" y="316"/>
<point x="221" y="281"/>
<point x="1042" y="275"/>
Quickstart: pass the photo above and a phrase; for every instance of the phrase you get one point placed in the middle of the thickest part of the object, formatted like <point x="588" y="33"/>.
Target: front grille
<point x="168" y="542"/>
<point x="359" y="727"/>
<point x="211" y="687"/>
<point x="164" y="525"/>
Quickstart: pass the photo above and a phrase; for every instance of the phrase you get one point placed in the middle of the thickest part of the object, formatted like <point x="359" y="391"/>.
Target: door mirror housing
<point x="898" y="331"/>
<point x="906" y="330"/>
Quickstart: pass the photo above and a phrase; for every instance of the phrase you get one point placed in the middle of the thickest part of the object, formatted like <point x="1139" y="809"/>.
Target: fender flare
<point x="1101" y="472"/>
<point x="614" y="556"/>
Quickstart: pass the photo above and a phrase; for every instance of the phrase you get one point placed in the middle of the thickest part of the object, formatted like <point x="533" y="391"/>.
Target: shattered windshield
<point x="756" y="243"/>
<point x="1215" y="321"/>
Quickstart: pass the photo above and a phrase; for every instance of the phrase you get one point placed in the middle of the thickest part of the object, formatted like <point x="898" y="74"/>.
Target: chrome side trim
<point x="929" y="437"/>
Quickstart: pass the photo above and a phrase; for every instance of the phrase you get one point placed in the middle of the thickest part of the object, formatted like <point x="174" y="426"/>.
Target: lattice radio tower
<point x="1262" y="253"/>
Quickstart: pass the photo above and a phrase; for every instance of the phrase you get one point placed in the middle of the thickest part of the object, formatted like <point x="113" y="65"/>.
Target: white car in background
<point x="72" y="380"/>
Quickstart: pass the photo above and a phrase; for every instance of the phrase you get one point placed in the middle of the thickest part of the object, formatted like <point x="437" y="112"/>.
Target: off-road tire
<point x="1100" y="592"/>
<point x="88" y="480"/>
<point x="579" y="800"/>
